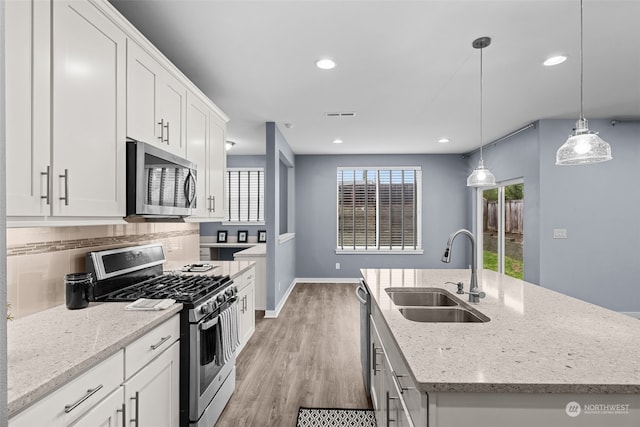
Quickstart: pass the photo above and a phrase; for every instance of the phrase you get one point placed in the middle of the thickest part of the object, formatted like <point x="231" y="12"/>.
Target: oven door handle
<point x="210" y="324"/>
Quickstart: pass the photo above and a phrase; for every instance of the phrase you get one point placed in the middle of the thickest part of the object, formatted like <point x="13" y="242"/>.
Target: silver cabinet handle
<point x="167" y="127"/>
<point x="374" y="359"/>
<point x="88" y="394"/>
<point x="396" y="378"/>
<point x="389" y="420"/>
<point x="245" y="304"/>
<point x="124" y="414"/>
<point x="161" y="123"/>
<point x="136" y="420"/>
<point x="66" y="187"/>
<point x="213" y="203"/>
<point x="159" y="343"/>
<point x="47" y="196"/>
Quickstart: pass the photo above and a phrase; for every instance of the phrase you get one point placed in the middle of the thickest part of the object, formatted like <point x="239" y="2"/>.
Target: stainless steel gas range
<point x="208" y="322"/>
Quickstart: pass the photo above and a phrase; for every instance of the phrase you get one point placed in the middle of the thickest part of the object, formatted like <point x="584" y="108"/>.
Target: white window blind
<point x="378" y="208"/>
<point x="245" y="194"/>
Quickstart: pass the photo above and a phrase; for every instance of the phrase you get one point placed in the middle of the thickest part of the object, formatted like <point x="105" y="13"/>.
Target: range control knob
<point x="206" y="308"/>
<point x="213" y="304"/>
<point x="221" y="299"/>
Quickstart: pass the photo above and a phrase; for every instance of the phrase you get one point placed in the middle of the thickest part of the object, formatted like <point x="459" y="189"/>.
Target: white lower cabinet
<point x="387" y="392"/>
<point x="148" y="397"/>
<point x="110" y="412"/>
<point x="246" y="284"/>
<point x="75" y="398"/>
<point x="152" y="395"/>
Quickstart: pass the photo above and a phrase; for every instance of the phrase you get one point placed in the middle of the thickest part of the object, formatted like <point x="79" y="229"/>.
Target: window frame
<point x="377" y="249"/>
<point x="228" y="196"/>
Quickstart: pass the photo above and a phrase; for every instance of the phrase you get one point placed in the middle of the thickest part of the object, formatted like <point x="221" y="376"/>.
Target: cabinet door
<point x="217" y="168"/>
<point x="88" y="112"/>
<point x="174" y="106"/>
<point x="242" y="318"/>
<point x="152" y="395"/>
<point x="250" y="310"/>
<point x="27" y="97"/>
<point x="197" y="141"/>
<point x="378" y="396"/>
<point x="108" y="413"/>
<point x="144" y="75"/>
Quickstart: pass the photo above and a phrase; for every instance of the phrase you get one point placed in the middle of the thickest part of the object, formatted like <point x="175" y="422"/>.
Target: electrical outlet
<point x="559" y="233"/>
<point x="337" y="266"/>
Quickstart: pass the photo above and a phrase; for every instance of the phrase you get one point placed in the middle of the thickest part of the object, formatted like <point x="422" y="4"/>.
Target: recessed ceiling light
<point x="554" y="60"/>
<point x="443" y="140"/>
<point x="338" y="141"/>
<point x="325" y="64"/>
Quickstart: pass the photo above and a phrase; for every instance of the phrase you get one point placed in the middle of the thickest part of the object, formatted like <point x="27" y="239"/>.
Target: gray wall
<point x="280" y="256"/>
<point x="598" y="205"/>
<point x="445" y="204"/>
<point x="3" y="237"/>
<point x="514" y="158"/>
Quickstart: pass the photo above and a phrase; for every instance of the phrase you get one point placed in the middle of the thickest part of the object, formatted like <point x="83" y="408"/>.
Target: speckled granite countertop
<point x="47" y="349"/>
<point x="537" y="341"/>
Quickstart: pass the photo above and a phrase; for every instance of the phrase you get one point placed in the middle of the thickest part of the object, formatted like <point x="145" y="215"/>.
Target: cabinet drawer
<point x="150" y="345"/>
<point x="245" y="279"/>
<point x="75" y="398"/>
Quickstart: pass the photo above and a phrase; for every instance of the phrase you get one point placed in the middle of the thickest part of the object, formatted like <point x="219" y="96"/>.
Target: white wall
<point x="3" y="239"/>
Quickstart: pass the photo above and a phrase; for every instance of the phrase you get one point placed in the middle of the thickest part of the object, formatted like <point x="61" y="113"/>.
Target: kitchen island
<point x="543" y="358"/>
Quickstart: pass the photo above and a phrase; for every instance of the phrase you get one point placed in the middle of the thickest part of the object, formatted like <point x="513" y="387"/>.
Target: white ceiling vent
<point x="340" y="114"/>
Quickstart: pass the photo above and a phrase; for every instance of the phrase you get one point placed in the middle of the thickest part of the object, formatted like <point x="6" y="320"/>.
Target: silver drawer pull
<point x="162" y="341"/>
<point x="90" y="392"/>
<point x="399" y="384"/>
<point x="47" y="197"/>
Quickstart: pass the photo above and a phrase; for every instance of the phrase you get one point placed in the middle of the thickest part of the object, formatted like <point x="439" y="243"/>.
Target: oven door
<point x="210" y="362"/>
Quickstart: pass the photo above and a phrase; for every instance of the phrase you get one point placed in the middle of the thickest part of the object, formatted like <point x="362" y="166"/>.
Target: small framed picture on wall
<point x="262" y="236"/>
<point x="222" y="236"/>
<point x="242" y="236"/>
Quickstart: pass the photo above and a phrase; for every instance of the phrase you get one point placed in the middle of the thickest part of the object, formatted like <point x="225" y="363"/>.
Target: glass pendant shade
<point x="481" y="177"/>
<point x="583" y="147"/>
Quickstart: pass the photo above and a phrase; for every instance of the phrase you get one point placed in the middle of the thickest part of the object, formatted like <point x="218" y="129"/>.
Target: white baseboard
<point x="327" y="280"/>
<point x="635" y="314"/>
<point x="272" y="314"/>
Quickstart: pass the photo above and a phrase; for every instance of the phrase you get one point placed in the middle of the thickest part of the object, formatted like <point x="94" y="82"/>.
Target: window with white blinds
<point x="378" y="209"/>
<point x="245" y="193"/>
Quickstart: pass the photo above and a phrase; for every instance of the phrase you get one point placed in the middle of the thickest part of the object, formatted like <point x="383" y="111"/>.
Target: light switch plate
<point x="559" y="233"/>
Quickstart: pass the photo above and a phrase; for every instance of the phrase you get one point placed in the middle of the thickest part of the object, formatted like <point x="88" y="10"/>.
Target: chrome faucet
<point x="474" y="291"/>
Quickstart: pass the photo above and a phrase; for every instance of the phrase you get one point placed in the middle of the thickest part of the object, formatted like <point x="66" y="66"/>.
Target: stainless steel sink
<point x="443" y="314"/>
<point x="429" y="297"/>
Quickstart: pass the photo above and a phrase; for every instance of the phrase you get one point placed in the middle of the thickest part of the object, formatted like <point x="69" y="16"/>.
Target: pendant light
<point x="481" y="176"/>
<point x="583" y="146"/>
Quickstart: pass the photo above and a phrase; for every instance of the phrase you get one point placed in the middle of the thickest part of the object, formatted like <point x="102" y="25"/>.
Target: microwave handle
<point x="190" y="188"/>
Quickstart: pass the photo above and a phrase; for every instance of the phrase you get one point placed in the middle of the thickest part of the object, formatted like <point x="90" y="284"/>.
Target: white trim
<point x="273" y="314"/>
<point x="327" y="280"/>
<point x="240" y="223"/>
<point x="379" y="251"/>
<point x="286" y="237"/>
<point x="635" y="314"/>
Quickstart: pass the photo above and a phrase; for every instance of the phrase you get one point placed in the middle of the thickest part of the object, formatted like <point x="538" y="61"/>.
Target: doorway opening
<point x="501" y="214"/>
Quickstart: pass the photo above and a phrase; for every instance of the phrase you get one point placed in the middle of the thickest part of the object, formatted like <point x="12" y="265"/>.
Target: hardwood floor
<point x="308" y="356"/>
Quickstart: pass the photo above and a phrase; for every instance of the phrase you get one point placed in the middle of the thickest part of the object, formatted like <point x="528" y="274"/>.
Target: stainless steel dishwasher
<point x="365" y="309"/>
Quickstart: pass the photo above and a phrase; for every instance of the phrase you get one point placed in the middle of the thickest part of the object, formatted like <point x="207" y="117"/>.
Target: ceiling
<point x="406" y="68"/>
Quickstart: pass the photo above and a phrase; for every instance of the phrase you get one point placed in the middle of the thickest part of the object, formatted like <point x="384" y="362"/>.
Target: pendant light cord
<point x="481" y="49"/>
<point x="581" y="65"/>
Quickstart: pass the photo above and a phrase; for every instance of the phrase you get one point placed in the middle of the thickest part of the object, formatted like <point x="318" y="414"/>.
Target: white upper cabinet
<point x="27" y="97"/>
<point x="206" y="132"/>
<point x="156" y="102"/>
<point x="89" y="70"/>
<point x="217" y="168"/>
<point x="197" y="146"/>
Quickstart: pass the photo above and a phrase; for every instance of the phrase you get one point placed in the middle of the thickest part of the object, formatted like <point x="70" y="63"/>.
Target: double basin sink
<point x="434" y="305"/>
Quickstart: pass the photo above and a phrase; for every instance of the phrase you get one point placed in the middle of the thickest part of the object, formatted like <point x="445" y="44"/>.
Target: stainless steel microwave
<point x="159" y="184"/>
